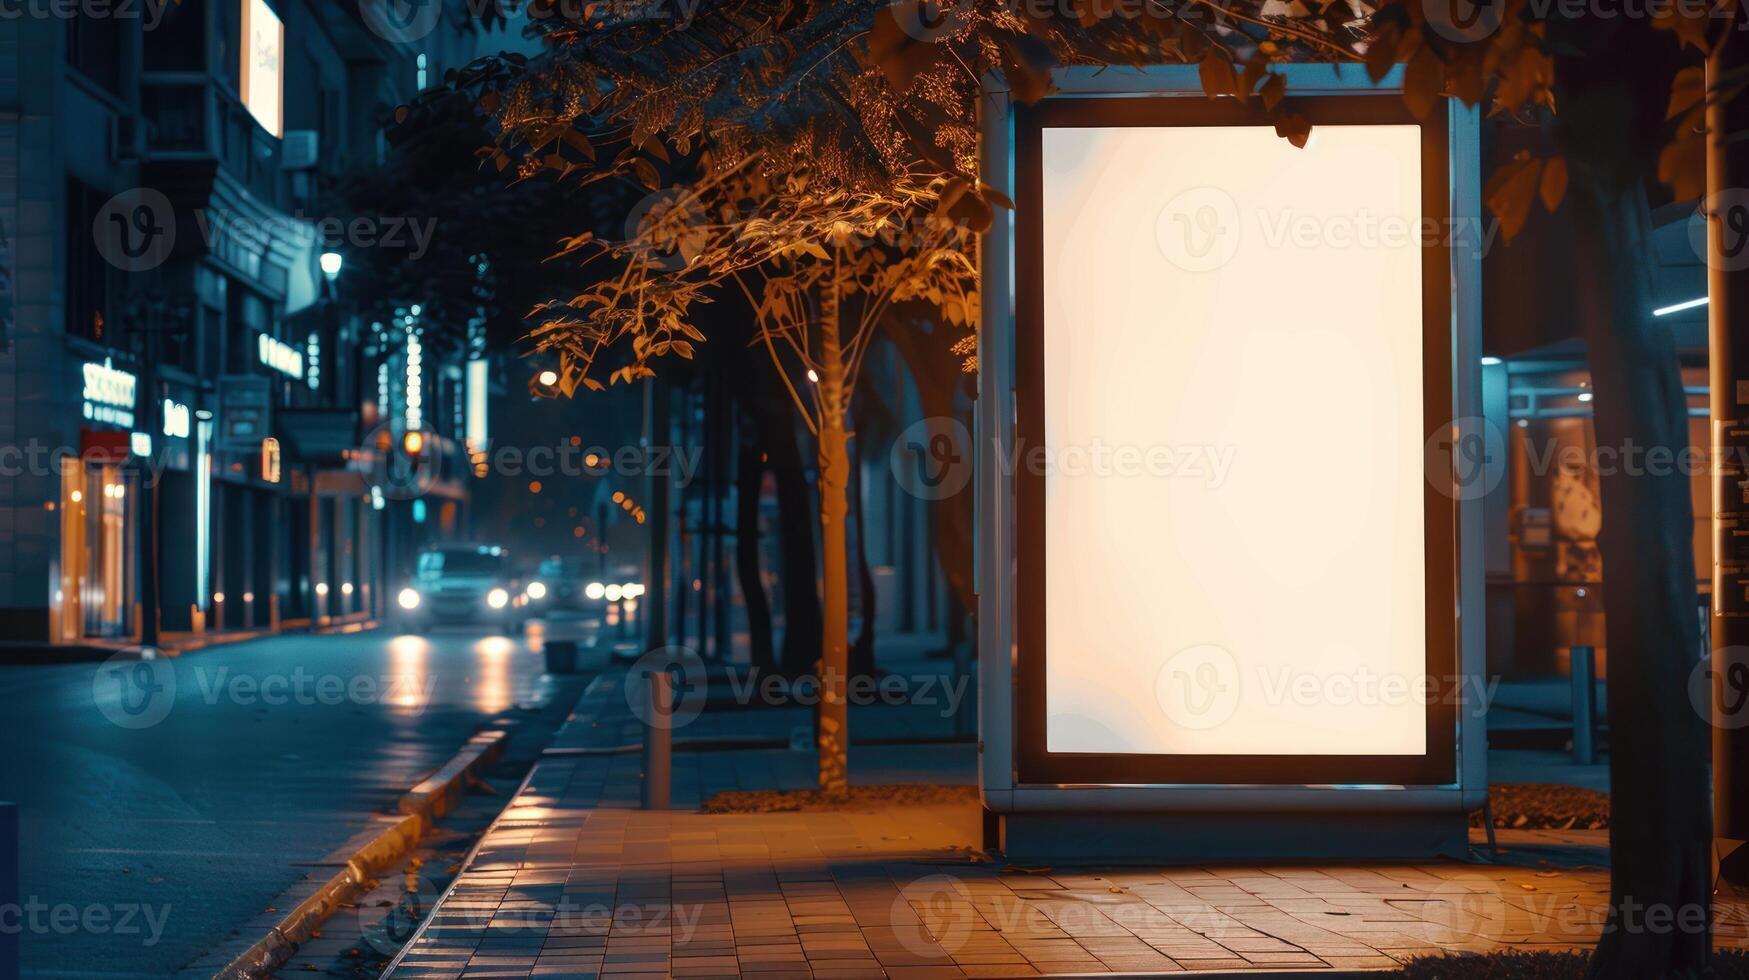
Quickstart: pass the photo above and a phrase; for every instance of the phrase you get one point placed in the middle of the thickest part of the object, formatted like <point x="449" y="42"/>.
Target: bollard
<point x="9" y="938"/>
<point x="561" y="656"/>
<point x="659" y="740"/>
<point x="1582" y="666"/>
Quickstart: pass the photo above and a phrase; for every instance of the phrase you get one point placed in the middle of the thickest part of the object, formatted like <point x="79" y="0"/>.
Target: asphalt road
<point x="165" y="804"/>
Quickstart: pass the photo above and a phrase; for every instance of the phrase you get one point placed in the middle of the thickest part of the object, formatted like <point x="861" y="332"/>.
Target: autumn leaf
<point x="1686" y="91"/>
<point x="900" y="56"/>
<point x="1381" y="52"/>
<point x="1682" y="165"/>
<point x="1027" y="64"/>
<point x="1217" y="75"/>
<point x="1554" y="183"/>
<point x="995" y="198"/>
<point x="1511" y="191"/>
<point x="1422" y="83"/>
<point x="1294" y="128"/>
<point x="1273" y="90"/>
<point x="646" y="172"/>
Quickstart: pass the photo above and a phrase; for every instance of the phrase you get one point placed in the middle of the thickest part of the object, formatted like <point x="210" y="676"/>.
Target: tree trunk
<point x="1660" y="820"/>
<point x="798" y="580"/>
<point x="749" y="478"/>
<point x="862" y="652"/>
<point x="833" y="730"/>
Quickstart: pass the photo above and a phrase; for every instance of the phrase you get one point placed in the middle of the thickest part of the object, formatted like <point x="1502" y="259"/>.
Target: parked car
<point x="461" y="584"/>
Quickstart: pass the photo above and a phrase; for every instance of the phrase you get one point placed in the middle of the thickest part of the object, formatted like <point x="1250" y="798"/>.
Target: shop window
<point x="178" y="43"/>
<point x="91" y="281"/>
<point x="94" y="47"/>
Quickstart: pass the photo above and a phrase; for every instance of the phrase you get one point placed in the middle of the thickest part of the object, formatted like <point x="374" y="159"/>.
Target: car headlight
<point x="497" y="598"/>
<point x="409" y="599"/>
<point x="536" y="590"/>
<point x="595" y="590"/>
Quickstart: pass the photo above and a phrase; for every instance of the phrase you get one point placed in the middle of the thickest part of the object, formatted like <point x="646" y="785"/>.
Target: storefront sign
<point x="280" y="356"/>
<point x="109" y="393"/>
<point x="245" y="406"/>
<point x="177" y="419"/>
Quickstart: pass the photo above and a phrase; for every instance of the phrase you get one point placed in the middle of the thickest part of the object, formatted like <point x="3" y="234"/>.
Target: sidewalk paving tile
<point x="573" y="880"/>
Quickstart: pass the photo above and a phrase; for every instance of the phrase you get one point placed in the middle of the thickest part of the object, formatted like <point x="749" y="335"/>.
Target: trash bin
<point x="561" y="656"/>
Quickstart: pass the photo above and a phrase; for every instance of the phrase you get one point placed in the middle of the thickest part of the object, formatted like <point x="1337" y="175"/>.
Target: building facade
<point x="192" y="404"/>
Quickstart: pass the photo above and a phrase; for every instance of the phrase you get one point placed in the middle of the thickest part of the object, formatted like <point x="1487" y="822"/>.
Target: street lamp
<point x="332" y="263"/>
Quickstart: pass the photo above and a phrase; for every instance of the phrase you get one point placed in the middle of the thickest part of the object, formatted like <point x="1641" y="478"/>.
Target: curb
<point x="14" y="654"/>
<point x="421" y="806"/>
<point x="583" y="715"/>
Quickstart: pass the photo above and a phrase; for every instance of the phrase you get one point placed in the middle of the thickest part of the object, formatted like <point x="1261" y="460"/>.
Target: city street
<point x="164" y="808"/>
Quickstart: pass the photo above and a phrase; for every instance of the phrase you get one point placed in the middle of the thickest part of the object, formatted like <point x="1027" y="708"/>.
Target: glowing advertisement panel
<point x="1235" y="567"/>
<point x="262" y="83"/>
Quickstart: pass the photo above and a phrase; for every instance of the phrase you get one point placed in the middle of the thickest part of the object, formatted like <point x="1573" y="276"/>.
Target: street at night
<point x="190" y="817"/>
<point x="874" y="489"/>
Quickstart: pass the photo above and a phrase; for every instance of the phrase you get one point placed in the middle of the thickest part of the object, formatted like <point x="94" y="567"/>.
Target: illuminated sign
<point x="262" y="83"/>
<point x="1233" y="564"/>
<point x="109" y="393"/>
<point x="270" y="460"/>
<point x="280" y="356"/>
<point x="140" y="443"/>
<point x="479" y="389"/>
<point x="177" y="419"/>
<point x="1168" y="342"/>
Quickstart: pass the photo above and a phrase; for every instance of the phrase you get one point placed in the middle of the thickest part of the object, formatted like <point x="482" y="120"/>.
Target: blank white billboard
<point x="1234" y="441"/>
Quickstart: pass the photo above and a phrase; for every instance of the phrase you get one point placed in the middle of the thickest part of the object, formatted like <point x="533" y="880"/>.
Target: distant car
<point x="559" y="584"/>
<point x="460" y="584"/>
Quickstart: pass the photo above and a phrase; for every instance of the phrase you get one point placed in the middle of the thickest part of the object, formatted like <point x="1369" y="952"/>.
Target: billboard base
<point x="1202" y="838"/>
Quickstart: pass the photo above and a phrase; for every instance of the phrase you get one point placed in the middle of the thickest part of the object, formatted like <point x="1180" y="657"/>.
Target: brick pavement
<point x="572" y="880"/>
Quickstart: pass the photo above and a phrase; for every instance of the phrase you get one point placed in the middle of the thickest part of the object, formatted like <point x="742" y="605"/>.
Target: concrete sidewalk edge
<point x="421" y="806"/>
<point x="31" y="654"/>
<point x="579" y="714"/>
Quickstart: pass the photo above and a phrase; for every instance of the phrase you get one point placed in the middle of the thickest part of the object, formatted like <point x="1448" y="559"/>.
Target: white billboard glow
<point x="262" y="82"/>
<point x="1233" y="418"/>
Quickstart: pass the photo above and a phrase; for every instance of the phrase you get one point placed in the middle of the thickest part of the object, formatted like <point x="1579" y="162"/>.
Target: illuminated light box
<point x="262" y="66"/>
<point x="1215" y="569"/>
